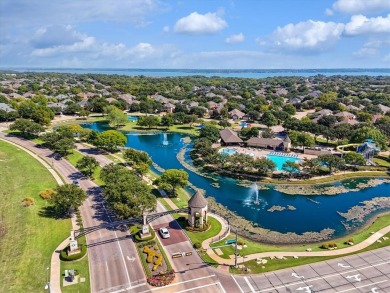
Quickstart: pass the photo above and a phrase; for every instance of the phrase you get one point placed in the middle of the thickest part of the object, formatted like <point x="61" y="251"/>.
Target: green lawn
<point x="200" y="236"/>
<point x="182" y="198"/>
<point x="31" y="235"/>
<point x="277" y="264"/>
<point x="75" y="156"/>
<point x="381" y="162"/>
<point x="255" y="247"/>
<point x="82" y="267"/>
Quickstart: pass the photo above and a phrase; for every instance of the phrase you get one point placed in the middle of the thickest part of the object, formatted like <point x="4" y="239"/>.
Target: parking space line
<point x="327" y="276"/>
<point x="249" y="284"/>
<point x="238" y="285"/>
<point x="199" y="287"/>
<point x="363" y="286"/>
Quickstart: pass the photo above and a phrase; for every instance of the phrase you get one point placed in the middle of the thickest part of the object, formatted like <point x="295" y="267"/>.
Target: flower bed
<point x="161" y="279"/>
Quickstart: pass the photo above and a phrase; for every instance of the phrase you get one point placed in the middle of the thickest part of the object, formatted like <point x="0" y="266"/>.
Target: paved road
<point x="113" y="260"/>
<point x="365" y="272"/>
<point x="192" y="274"/>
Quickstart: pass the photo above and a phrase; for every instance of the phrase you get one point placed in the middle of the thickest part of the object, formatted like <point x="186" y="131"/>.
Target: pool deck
<point x="258" y="153"/>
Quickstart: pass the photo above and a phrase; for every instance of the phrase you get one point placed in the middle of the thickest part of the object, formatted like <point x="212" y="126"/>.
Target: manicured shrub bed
<point x="65" y="257"/>
<point x="161" y="279"/>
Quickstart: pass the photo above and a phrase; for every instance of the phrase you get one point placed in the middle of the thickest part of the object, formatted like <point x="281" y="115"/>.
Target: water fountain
<point x="165" y="139"/>
<point x="255" y="189"/>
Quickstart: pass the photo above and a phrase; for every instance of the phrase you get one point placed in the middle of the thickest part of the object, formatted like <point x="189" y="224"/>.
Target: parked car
<point x="164" y="233"/>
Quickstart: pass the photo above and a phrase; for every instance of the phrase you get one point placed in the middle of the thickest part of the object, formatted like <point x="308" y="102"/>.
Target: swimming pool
<point x="280" y="160"/>
<point x="132" y="118"/>
<point x="228" y="151"/>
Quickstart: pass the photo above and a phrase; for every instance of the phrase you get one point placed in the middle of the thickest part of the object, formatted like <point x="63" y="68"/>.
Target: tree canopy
<point x="67" y="198"/>
<point x="173" y="178"/>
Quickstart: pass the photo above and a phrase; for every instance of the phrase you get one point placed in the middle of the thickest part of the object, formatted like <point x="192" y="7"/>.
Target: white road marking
<point x="178" y="283"/>
<point x="297" y="276"/>
<point x="238" y="285"/>
<point x="325" y="277"/>
<point x="363" y="286"/>
<point x="199" y="287"/>
<point x="356" y="277"/>
<point x="120" y="248"/>
<point x="249" y="284"/>
<point x="107" y="267"/>
<point x="132" y="259"/>
<point x="222" y="288"/>
<point x="307" y="289"/>
<point x="343" y="266"/>
<point x="374" y="290"/>
<point x="117" y="291"/>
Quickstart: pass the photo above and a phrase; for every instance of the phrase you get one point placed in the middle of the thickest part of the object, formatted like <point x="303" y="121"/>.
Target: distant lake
<point x="244" y="73"/>
<point x="313" y="213"/>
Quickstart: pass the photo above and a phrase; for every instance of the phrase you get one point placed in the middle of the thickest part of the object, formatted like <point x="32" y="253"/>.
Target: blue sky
<point x="203" y="34"/>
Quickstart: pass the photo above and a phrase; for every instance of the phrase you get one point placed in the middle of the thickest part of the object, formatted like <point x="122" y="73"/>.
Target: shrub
<point x="197" y="245"/>
<point x="152" y="236"/>
<point x="28" y="201"/>
<point x="47" y="194"/>
<point x="65" y="257"/>
<point x="325" y="246"/>
<point x="241" y="242"/>
<point x="151" y="254"/>
<point x="161" y="279"/>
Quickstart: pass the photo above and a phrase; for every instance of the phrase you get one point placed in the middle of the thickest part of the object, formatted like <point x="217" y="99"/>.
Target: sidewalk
<point x="338" y="252"/>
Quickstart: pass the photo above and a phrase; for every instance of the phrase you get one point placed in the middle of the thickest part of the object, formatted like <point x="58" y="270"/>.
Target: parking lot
<point x="366" y="272"/>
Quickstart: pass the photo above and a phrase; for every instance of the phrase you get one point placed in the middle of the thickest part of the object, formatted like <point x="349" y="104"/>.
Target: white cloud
<point x="309" y="36"/>
<point x="373" y="48"/>
<point x="166" y="29"/>
<point x="329" y="12"/>
<point x="233" y="39"/>
<point x="361" y="6"/>
<point x="360" y="24"/>
<point x="196" y="23"/>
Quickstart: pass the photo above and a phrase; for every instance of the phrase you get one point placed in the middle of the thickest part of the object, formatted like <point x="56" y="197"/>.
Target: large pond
<point x="312" y="213"/>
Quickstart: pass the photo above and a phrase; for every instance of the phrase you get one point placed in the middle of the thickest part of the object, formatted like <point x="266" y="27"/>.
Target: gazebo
<point x="197" y="210"/>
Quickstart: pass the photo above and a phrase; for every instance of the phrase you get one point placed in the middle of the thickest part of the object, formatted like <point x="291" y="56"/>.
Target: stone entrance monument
<point x="73" y="245"/>
<point x="145" y="228"/>
<point x="197" y="209"/>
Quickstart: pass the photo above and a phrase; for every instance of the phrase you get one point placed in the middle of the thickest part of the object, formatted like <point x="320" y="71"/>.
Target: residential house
<point x="236" y="114"/>
<point x="5" y="107"/>
<point x="384" y="108"/>
<point x="295" y="100"/>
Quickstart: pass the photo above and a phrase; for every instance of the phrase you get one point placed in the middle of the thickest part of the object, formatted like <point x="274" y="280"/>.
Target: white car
<point x="164" y="233"/>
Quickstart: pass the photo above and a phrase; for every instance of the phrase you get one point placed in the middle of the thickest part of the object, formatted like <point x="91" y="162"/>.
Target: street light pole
<point x="235" y="252"/>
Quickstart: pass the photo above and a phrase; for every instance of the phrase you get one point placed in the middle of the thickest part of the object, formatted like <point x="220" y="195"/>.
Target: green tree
<point x="27" y="127"/>
<point x="269" y="119"/>
<point x="42" y="115"/>
<point x="249" y="132"/>
<point x="290" y="109"/>
<point x="291" y="168"/>
<point x="310" y="166"/>
<point x="210" y="132"/>
<point x="332" y="162"/>
<point x="87" y="165"/>
<point x="173" y="178"/>
<point x="148" y="121"/>
<point x="127" y="196"/>
<point x="111" y="140"/>
<point x="361" y="134"/>
<point x="224" y="123"/>
<point x="264" y="165"/>
<point x="167" y="120"/>
<point x="140" y="160"/>
<point x="115" y="116"/>
<point x="267" y="133"/>
<point x="67" y="198"/>
<point x="353" y="158"/>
